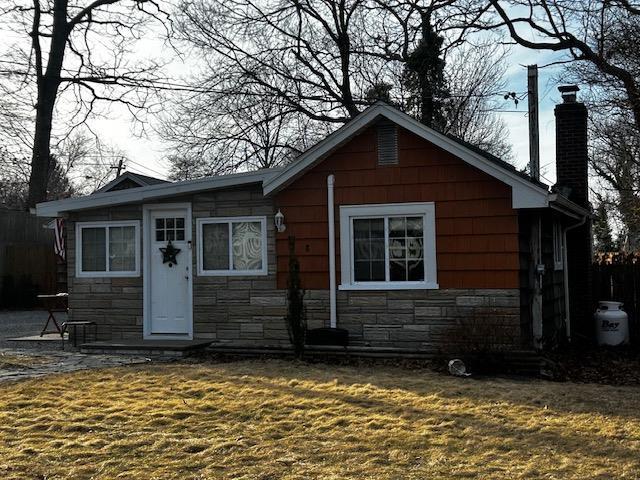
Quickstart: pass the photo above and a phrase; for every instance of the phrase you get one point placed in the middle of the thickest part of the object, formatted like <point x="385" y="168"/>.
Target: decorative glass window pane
<point x="122" y="249"/>
<point x="180" y="234"/>
<point x="406" y="249"/>
<point x="368" y="249"/>
<point x="247" y="246"/>
<point x="215" y="246"/>
<point x="93" y="249"/>
<point x="179" y="222"/>
<point x="414" y="227"/>
<point x="397" y="227"/>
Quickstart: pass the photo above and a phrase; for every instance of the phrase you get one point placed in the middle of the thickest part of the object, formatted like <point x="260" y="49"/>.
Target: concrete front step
<point x="164" y="348"/>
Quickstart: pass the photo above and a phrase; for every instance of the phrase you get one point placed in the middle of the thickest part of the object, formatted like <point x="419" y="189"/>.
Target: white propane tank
<point x="612" y="324"/>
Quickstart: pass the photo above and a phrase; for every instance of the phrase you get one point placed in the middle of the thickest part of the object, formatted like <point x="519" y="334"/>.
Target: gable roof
<point x="151" y="192"/>
<point x="137" y="178"/>
<point x="526" y="193"/>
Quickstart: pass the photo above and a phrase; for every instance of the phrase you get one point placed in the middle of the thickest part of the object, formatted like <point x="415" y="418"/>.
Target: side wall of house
<point x="238" y="309"/>
<point x="477" y="246"/>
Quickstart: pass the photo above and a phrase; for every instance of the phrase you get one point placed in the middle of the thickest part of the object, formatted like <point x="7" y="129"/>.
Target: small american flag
<point x="58" y="241"/>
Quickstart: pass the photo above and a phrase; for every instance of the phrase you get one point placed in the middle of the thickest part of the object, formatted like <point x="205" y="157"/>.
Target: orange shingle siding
<point x="476" y="228"/>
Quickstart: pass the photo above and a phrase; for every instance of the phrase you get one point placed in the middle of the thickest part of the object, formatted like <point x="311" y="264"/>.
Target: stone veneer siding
<point x="239" y="310"/>
<point x="423" y="319"/>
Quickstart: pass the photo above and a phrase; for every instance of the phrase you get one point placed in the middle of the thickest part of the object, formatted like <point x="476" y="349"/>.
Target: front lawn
<point x="279" y="419"/>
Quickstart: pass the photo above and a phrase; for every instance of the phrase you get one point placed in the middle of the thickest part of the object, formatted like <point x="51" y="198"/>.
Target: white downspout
<point x="332" y="252"/>
<point x="565" y="265"/>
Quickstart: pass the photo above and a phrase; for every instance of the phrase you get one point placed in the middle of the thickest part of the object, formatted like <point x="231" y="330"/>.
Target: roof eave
<point x="151" y="192"/>
<point x="564" y="205"/>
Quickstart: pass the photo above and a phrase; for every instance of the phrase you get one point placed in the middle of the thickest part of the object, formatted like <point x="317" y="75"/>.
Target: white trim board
<point x="525" y="194"/>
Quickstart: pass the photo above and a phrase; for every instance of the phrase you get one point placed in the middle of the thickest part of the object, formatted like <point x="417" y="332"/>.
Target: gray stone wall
<point x="115" y="304"/>
<point x="239" y="310"/>
<point x="424" y="319"/>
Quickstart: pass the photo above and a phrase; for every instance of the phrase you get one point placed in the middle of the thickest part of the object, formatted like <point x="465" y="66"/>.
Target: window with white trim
<point x="108" y="249"/>
<point x="389" y="246"/>
<point x="558" y="246"/>
<point x="232" y="246"/>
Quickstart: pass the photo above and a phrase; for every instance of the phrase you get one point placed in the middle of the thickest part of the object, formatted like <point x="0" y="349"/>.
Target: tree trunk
<point x="42" y="144"/>
<point x="48" y="83"/>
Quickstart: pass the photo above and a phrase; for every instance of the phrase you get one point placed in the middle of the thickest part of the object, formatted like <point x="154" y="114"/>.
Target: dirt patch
<point x="605" y="366"/>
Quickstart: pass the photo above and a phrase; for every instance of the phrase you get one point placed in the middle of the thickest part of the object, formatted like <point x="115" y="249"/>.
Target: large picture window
<point x="107" y="249"/>
<point x="232" y="246"/>
<point x="389" y="246"/>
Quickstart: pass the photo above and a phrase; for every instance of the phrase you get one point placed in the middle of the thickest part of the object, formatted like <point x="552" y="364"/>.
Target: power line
<point x="146" y="167"/>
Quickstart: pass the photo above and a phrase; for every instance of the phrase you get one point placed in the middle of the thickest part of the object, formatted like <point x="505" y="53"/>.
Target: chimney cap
<point x="569" y="92"/>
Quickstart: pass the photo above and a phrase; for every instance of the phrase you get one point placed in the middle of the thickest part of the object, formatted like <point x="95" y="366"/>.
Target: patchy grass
<point x="276" y="419"/>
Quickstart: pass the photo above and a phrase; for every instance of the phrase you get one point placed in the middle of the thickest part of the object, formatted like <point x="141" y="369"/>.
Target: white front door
<point x="168" y="300"/>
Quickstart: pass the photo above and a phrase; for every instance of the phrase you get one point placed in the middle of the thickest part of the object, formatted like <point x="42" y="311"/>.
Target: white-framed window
<point x="558" y="246"/>
<point x="232" y="246"/>
<point x="388" y="247"/>
<point x="108" y="249"/>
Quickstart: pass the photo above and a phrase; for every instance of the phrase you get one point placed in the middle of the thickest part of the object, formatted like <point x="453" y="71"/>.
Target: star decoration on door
<point x="169" y="254"/>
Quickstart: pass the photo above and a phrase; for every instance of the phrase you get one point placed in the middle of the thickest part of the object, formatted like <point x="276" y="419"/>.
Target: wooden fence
<point x="28" y="265"/>
<point x="619" y="280"/>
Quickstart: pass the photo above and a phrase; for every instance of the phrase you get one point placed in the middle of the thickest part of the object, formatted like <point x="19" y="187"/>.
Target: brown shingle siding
<point x="476" y="227"/>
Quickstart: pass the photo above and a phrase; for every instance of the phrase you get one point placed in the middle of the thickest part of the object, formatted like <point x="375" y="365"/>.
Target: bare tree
<point x="78" y="165"/>
<point x="602" y="33"/>
<point x="280" y="74"/>
<point x="251" y="133"/>
<point x="80" y="49"/>
<point x="615" y="158"/>
<point x="475" y="94"/>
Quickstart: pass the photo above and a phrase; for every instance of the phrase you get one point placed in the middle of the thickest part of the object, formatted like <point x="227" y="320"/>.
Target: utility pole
<point x="119" y="167"/>
<point x="534" y="127"/>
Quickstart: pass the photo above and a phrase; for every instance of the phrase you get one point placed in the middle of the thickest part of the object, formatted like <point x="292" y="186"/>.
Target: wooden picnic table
<point x="55" y="303"/>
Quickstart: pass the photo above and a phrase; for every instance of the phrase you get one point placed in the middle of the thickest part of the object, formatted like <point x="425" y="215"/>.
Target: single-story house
<point x="407" y="238"/>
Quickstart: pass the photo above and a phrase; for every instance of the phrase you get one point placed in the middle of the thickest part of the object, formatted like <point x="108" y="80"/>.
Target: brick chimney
<point x="571" y="147"/>
<point x="572" y="166"/>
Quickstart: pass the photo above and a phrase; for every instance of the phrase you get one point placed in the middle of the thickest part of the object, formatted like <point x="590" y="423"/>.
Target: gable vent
<point x="387" y="144"/>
